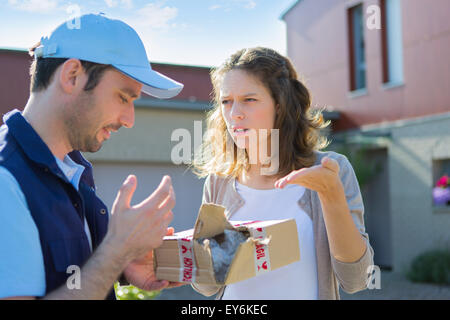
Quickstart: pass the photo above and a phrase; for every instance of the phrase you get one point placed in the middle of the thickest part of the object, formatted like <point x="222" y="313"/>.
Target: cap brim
<point x="154" y="83"/>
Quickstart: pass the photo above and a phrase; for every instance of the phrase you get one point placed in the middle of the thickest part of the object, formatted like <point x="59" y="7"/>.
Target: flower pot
<point x="441" y="196"/>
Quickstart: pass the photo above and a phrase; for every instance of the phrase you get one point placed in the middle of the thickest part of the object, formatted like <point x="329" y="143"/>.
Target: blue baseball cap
<point x="99" y="39"/>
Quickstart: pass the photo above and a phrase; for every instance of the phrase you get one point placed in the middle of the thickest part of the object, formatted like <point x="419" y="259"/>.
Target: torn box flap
<point x="211" y="221"/>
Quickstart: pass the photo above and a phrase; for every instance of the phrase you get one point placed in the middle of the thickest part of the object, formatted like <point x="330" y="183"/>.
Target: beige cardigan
<point x="331" y="273"/>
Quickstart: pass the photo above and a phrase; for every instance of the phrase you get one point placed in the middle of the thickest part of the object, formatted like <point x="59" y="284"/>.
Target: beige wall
<point x="150" y="138"/>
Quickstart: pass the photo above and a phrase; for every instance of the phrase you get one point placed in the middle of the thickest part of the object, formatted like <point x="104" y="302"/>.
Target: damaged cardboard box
<point x="220" y="252"/>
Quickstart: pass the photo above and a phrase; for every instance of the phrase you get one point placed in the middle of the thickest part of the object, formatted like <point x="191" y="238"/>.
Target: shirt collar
<point x="71" y="169"/>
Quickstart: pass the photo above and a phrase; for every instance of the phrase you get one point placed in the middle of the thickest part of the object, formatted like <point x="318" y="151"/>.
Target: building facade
<point x="384" y="66"/>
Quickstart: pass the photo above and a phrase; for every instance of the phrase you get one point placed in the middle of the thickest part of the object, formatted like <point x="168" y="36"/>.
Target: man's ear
<point x="71" y="76"/>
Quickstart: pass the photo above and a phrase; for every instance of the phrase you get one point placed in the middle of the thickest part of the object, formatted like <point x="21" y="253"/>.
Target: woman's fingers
<point x="330" y="164"/>
<point x="290" y="178"/>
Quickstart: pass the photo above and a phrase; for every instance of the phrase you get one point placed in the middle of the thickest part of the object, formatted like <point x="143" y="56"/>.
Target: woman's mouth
<point x="240" y="131"/>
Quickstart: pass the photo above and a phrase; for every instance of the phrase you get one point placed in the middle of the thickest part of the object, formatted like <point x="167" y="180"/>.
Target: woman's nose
<point x="236" y="112"/>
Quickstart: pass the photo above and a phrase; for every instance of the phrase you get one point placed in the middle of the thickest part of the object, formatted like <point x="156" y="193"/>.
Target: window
<point x="391" y="41"/>
<point x="357" y="61"/>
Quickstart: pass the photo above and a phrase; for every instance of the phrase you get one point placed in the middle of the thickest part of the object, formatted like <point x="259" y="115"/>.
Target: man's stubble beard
<point x="80" y="120"/>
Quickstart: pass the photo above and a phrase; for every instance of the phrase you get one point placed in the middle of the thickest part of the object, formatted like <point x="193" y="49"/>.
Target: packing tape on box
<point x="187" y="260"/>
<point x="261" y="253"/>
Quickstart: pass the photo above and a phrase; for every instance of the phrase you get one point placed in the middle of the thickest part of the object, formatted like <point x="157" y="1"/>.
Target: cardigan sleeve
<point x="353" y="276"/>
<point x="206" y="197"/>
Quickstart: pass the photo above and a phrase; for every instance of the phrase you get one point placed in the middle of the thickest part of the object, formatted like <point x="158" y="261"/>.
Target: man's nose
<point x="127" y="117"/>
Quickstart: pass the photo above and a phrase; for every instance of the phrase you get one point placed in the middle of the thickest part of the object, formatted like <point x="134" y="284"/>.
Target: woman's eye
<point x="250" y="99"/>
<point x="225" y="101"/>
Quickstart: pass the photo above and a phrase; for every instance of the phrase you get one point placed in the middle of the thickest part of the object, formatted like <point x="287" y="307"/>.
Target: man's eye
<point x="124" y="100"/>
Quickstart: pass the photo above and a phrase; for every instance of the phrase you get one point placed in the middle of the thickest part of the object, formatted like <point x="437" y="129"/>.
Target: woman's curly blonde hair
<point x="299" y="127"/>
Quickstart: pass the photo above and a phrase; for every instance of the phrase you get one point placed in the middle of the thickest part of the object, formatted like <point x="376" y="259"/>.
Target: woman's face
<point x="247" y="106"/>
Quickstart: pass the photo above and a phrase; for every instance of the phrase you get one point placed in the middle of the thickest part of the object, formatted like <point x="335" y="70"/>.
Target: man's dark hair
<point x="42" y="70"/>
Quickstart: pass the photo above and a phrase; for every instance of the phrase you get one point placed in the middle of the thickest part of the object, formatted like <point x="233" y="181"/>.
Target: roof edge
<point x="292" y="6"/>
<point x="25" y="50"/>
<point x="173" y="104"/>
<point x="15" y="49"/>
<point x="180" y="65"/>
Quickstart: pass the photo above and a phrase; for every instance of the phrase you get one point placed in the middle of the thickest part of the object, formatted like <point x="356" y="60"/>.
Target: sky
<point x="188" y="32"/>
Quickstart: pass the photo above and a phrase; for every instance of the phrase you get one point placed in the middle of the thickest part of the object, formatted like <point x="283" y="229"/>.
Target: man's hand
<point x="136" y="230"/>
<point x="140" y="273"/>
<point x="133" y="232"/>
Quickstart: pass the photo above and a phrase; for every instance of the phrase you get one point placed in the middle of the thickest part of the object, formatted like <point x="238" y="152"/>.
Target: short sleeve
<point x="22" y="271"/>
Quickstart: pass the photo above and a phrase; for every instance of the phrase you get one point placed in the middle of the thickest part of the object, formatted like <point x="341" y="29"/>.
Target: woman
<point x="257" y="91"/>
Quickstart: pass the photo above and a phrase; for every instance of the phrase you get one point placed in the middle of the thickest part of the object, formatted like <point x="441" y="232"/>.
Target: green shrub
<point x="133" y="293"/>
<point x="432" y="267"/>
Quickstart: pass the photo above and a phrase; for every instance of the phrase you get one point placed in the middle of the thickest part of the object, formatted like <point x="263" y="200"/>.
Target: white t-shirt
<point x="297" y="280"/>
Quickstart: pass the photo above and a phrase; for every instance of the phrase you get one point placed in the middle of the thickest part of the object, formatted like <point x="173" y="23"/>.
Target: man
<point x="83" y="84"/>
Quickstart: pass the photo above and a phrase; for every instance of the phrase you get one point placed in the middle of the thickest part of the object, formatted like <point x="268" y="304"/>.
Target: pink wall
<point x="318" y="46"/>
<point x="14" y="80"/>
<point x="197" y="84"/>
